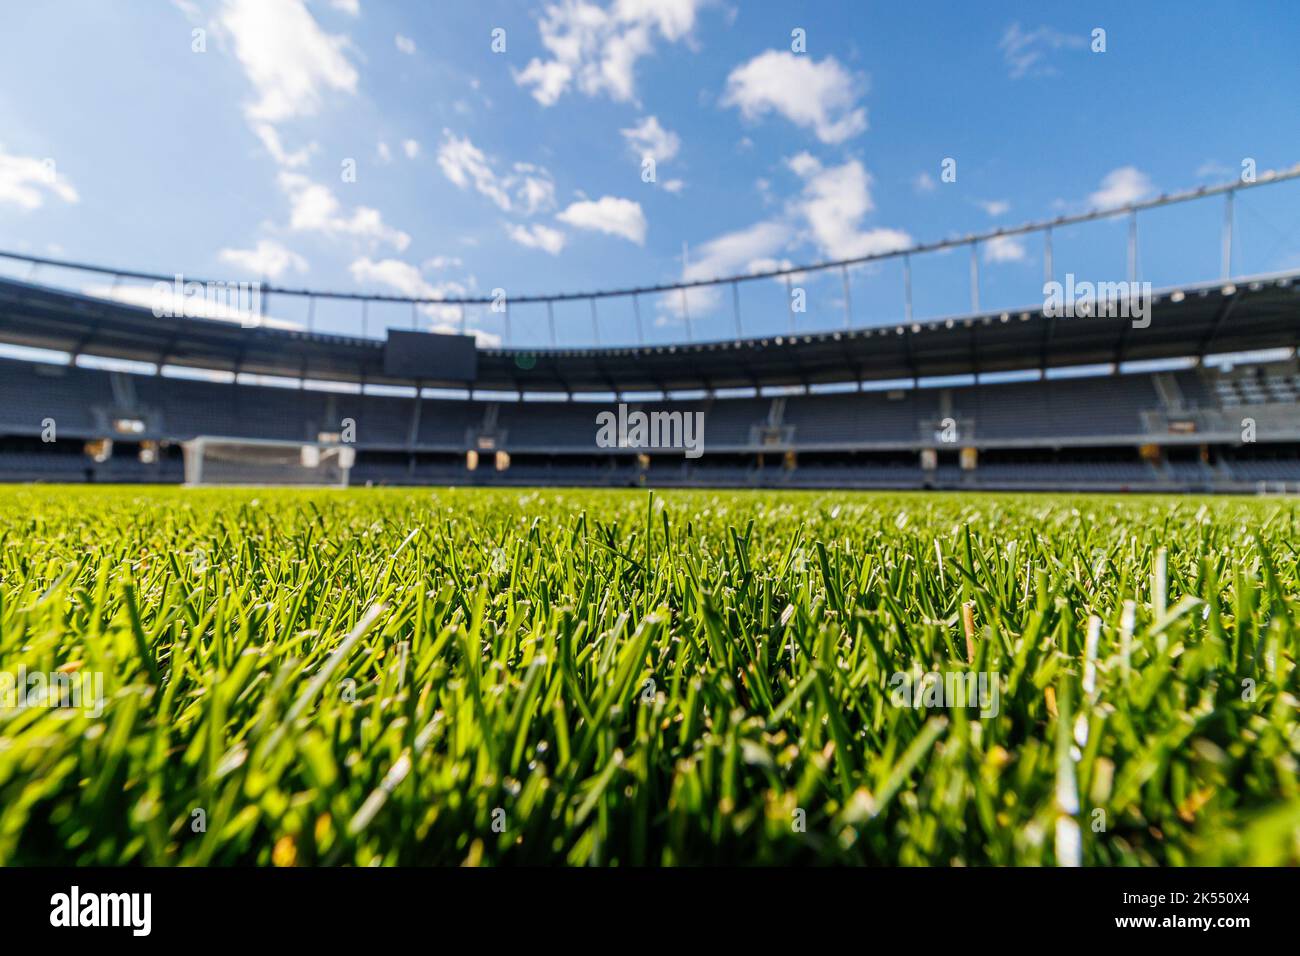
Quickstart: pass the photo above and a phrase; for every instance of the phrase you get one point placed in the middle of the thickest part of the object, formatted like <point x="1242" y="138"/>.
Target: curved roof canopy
<point x="1244" y="315"/>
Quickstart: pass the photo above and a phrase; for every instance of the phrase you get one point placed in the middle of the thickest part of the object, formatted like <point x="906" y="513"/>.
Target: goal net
<point x="235" y="461"/>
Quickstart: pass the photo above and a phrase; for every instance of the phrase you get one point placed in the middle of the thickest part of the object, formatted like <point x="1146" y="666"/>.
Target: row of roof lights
<point x="1179" y="295"/>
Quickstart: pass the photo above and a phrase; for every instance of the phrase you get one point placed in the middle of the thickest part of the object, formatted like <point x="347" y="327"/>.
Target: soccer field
<point x="284" y="677"/>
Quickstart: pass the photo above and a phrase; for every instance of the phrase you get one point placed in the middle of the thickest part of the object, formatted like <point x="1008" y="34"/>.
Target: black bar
<point x="1046" y="909"/>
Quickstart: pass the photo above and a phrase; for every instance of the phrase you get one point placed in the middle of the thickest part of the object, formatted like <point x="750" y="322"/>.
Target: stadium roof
<point x="1227" y="316"/>
<point x="1244" y="315"/>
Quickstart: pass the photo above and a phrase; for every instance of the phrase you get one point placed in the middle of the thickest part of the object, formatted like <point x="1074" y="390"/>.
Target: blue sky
<point x="129" y="139"/>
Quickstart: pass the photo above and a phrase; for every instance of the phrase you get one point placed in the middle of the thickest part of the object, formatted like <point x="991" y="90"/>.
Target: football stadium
<point x="1221" y="415"/>
<point x="852" y="554"/>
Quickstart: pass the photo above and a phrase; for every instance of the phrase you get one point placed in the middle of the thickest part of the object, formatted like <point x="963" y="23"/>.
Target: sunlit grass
<point x="407" y="677"/>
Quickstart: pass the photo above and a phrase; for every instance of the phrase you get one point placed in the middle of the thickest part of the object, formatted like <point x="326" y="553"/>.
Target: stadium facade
<point x="1021" y="399"/>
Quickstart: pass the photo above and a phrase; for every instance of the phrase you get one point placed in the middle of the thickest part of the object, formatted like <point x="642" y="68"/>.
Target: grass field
<point x="478" y="676"/>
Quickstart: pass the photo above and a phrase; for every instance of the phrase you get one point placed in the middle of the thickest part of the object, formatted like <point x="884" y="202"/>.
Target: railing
<point x="502" y="304"/>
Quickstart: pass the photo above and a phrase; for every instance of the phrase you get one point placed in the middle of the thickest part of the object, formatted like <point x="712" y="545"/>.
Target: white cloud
<point x="804" y="164"/>
<point x="537" y="236"/>
<point x="407" y="280"/>
<point x="395" y="274"/>
<point x="1004" y="249"/>
<point x="313" y="208"/>
<point x="528" y="187"/>
<point x="994" y="207"/>
<point x="549" y="80"/>
<point x="464" y="163"/>
<point x="674" y="18"/>
<point x="351" y="7"/>
<point x="649" y="138"/>
<point x="610" y="215"/>
<point x="650" y="141"/>
<point x="269" y="259"/>
<point x="288" y="58"/>
<point x="1120" y="187"/>
<point x="1213" y="169"/>
<point x="411" y="148"/>
<point x="821" y="96"/>
<point x="385" y="154"/>
<point x="924" y="183"/>
<point x="25" y="181"/>
<point x="745" y="250"/>
<point x="834" y="202"/>
<point x="442" y="262"/>
<point x="270" y="138"/>
<point x="599" y="47"/>
<point x="829" y="211"/>
<point x="404" y="44"/>
<point x="1025" y="53"/>
<point x="533" y="188"/>
<point x="749" y="250"/>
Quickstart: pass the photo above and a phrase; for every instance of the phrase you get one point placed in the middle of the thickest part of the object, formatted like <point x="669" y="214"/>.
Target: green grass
<point x="478" y="676"/>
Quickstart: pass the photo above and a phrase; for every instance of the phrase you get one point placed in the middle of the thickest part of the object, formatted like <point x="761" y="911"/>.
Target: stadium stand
<point x="999" y="401"/>
<point x="1083" y="433"/>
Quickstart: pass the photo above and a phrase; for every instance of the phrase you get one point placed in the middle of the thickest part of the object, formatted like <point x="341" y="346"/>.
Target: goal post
<point x="211" y="460"/>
